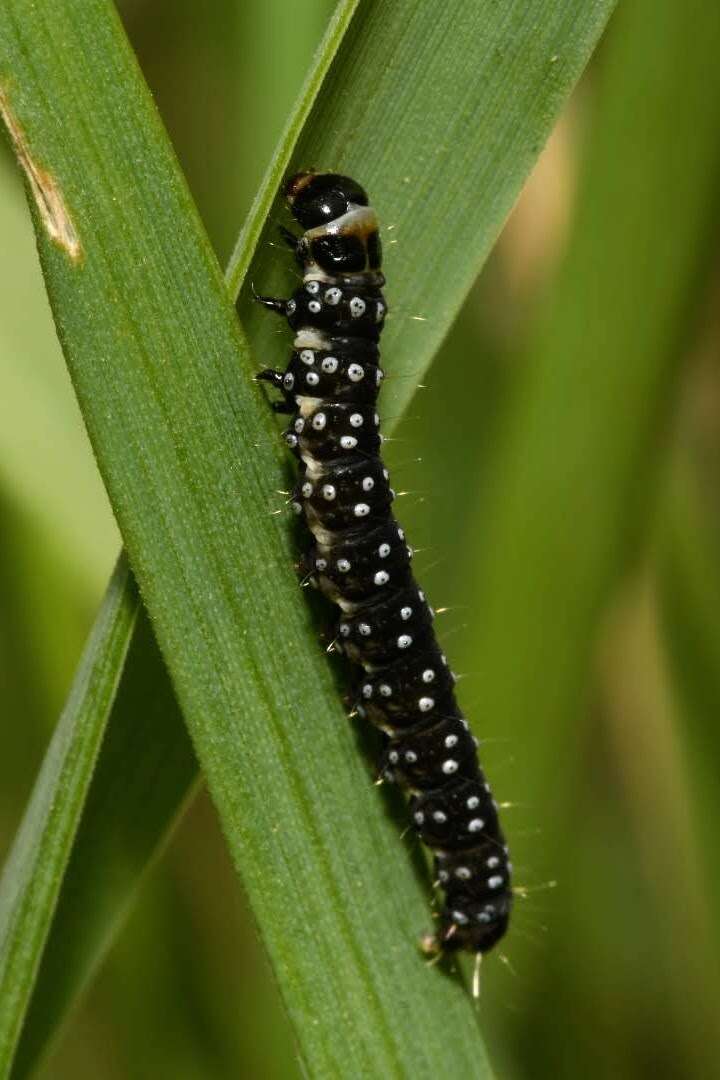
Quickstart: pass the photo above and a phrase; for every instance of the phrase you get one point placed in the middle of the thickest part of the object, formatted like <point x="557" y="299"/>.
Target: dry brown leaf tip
<point x="46" y="191"/>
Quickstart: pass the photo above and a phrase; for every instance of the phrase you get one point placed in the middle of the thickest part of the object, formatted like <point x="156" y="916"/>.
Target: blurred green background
<point x="562" y="473"/>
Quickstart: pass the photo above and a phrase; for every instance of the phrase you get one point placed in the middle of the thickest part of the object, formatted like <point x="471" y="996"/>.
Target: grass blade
<point x="580" y="448"/>
<point x="145" y="774"/>
<point x="573" y="489"/>
<point x="441" y="115"/>
<point x="34" y="870"/>
<point x="690" y="602"/>
<point x="142" y="783"/>
<point x="166" y="467"/>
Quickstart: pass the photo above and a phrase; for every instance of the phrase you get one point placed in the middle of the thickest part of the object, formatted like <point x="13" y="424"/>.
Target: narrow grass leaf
<point x="145" y="776"/>
<point x="586" y="435"/>
<point x="689" y="570"/>
<point x="441" y="115"/>
<point x="146" y="772"/>
<point x="34" y="871"/>
<point x="582" y="444"/>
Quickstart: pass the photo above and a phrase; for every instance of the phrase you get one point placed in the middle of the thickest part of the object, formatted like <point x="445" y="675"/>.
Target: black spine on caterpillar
<point x="361" y="561"/>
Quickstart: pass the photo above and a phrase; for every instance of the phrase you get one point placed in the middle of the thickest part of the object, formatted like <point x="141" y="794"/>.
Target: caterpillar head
<point x="318" y="198"/>
<point x="341" y="229"/>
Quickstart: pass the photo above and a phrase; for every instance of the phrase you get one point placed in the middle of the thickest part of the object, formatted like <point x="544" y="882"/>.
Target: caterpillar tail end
<point x="432" y="948"/>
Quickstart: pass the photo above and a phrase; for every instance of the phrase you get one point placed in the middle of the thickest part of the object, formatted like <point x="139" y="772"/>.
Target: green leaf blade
<point x="33" y="873"/>
<point x="145" y="775"/>
<point x="441" y="115"/>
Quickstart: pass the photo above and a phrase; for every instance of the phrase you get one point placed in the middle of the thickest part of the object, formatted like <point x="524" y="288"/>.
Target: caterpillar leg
<point x="275" y="378"/>
<point x="281" y="407"/>
<point x="289" y="237"/>
<point x="273" y="303"/>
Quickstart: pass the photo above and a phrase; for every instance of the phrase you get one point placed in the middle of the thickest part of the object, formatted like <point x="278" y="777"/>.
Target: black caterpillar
<point x="361" y="561"/>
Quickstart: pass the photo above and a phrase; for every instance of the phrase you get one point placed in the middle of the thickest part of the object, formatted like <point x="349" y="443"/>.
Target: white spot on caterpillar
<point x="355" y="372"/>
<point x="312" y="378"/>
<point x="313" y="287"/>
<point x="439" y="817"/>
<point x="289" y="380"/>
<point x="404" y="641"/>
<point x="364" y="629"/>
<point x="476" y="825"/>
<point x="495" y="881"/>
<point x="361" y="510"/>
<point x="428" y="675"/>
<point x="356" y="419"/>
<point x="406" y="613"/>
<point x="328" y="492"/>
<point x="368" y="483"/>
<point x="319" y="421"/>
<point x="307" y="356"/>
<point x="381" y="578"/>
<point x="449" y="767"/>
<point x="473" y="802"/>
<point x="348" y="442"/>
<point x="450" y="741"/>
<point x="333" y="296"/>
<point x="425" y="704"/>
<point x="329" y="365"/>
<point x="357" y="307"/>
<point x="385" y="690"/>
<point x="343" y="565"/>
<point x="314" y="307"/>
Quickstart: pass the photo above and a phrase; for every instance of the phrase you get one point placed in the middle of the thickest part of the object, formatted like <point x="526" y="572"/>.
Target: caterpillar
<point x="360" y="558"/>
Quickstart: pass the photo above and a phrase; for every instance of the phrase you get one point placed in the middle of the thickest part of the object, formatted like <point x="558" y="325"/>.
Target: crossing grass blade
<point x="690" y="602"/>
<point x="33" y="873"/>
<point x="188" y="453"/>
<point x="584" y="441"/>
